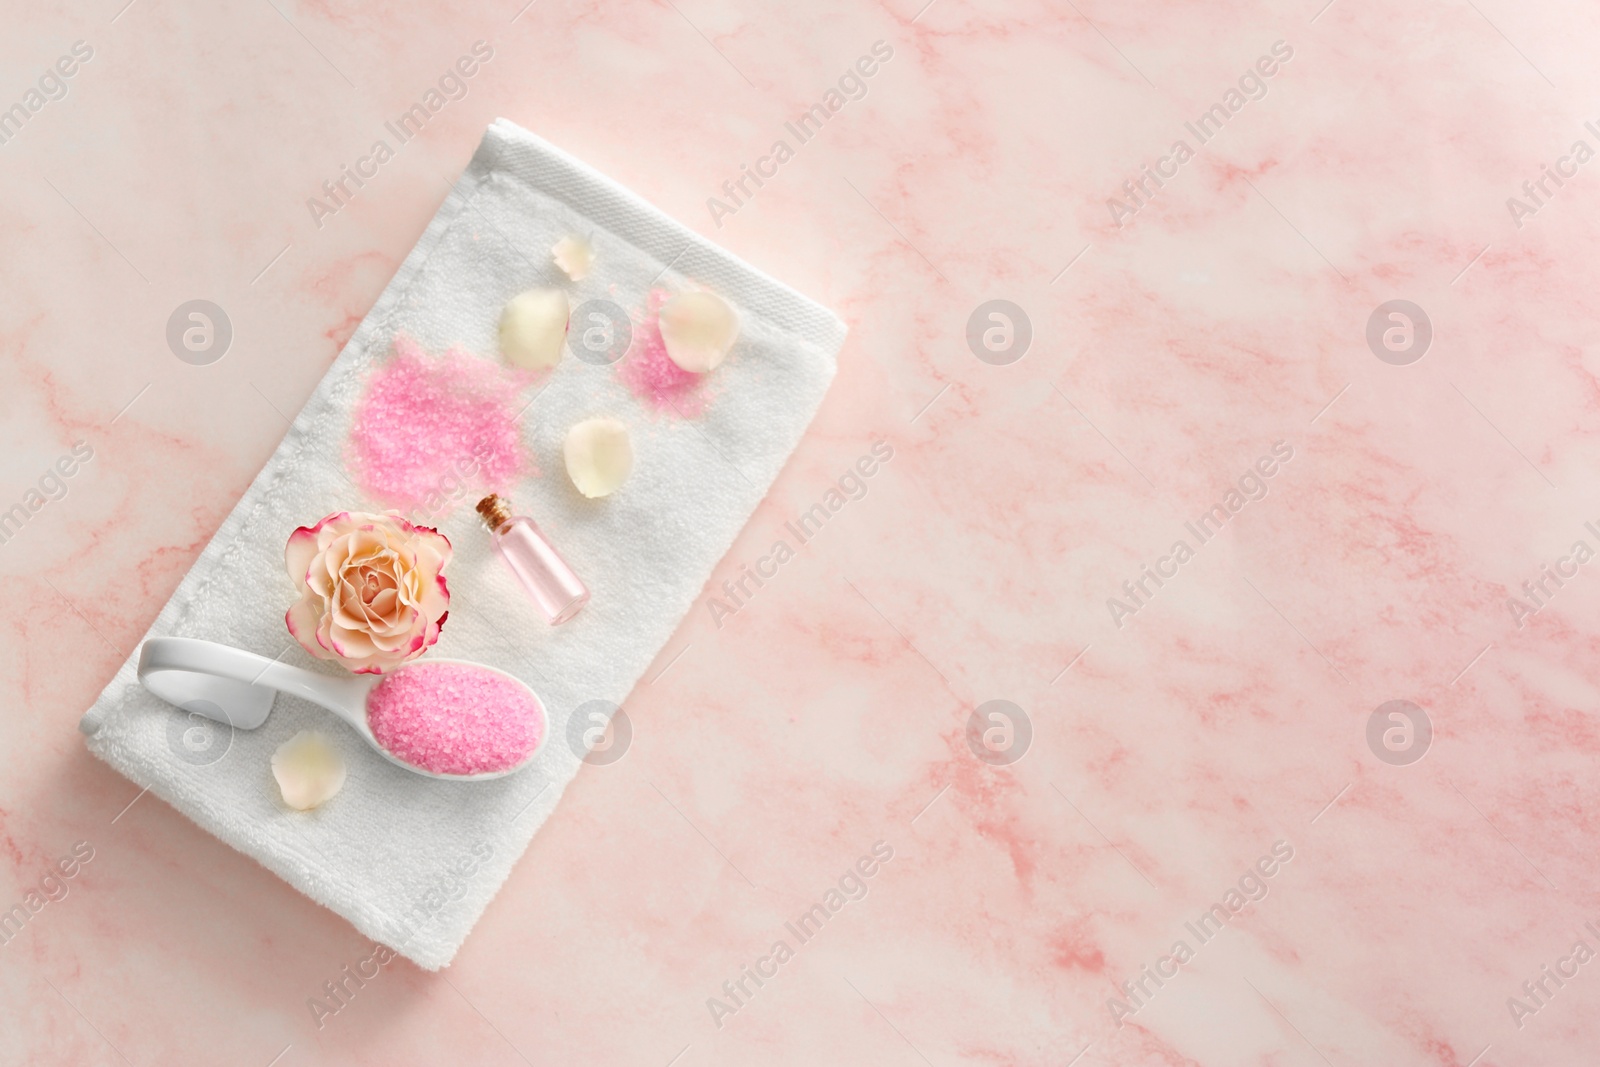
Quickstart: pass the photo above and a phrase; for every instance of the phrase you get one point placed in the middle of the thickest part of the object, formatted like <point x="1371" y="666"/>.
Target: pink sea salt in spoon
<point x="440" y="718"/>
<point x="455" y="718"/>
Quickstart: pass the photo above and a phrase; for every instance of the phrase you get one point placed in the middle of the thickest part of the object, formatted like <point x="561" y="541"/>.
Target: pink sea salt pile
<point x="424" y="421"/>
<point x="454" y="718"/>
<point x="649" y="372"/>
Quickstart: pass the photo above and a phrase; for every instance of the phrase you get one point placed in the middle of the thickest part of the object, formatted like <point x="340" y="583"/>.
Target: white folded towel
<point x="410" y="861"/>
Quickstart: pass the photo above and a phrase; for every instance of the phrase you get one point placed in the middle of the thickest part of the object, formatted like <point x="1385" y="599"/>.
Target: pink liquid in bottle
<point x="542" y="572"/>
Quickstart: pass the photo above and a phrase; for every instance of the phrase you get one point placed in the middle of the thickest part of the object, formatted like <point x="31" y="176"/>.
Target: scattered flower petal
<point x="649" y="372"/>
<point x="698" y="329"/>
<point x="599" y="456"/>
<point x="533" y="328"/>
<point x="309" y="770"/>
<point x="575" y="256"/>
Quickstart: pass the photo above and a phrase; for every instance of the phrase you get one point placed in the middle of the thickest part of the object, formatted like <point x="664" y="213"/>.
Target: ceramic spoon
<point x="232" y="686"/>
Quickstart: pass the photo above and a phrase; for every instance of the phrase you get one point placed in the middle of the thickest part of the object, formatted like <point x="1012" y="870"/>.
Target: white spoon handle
<point x="237" y="687"/>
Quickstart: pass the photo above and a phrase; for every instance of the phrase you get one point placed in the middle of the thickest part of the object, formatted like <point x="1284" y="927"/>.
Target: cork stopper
<point x="495" y="510"/>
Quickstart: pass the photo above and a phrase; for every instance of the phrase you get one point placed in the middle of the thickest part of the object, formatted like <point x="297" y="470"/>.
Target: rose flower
<point x="372" y="591"/>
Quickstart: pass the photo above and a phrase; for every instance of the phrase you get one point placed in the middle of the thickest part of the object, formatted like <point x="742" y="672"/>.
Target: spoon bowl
<point x="239" y="688"/>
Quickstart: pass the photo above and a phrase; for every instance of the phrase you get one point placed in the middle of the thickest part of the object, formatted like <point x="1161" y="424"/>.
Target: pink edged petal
<point x="400" y="647"/>
<point x="387" y="661"/>
<point x="390" y="638"/>
<point x="300" y="553"/>
<point x="325" y="647"/>
<point x="432" y="557"/>
<point x="333" y="559"/>
<point x="331" y="528"/>
<point x="385" y="645"/>
<point x="434" y="550"/>
<point x="350" y="644"/>
<point x="363" y="520"/>
<point x="302" y="618"/>
<point x="435" y="599"/>
<point x="402" y="525"/>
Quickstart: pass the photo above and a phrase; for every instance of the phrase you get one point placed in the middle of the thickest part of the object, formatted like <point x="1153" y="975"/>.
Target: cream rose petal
<point x="698" y="328"/>
<point x="334" y="527"/>
<point x="351" y="613"/>
<point x="354" y="644"/>
<point x="436" y="543"/>
<point x="434" y="600"/>
<point x="388" y="643"/>
<point x="599" y="456"/>
<point x="574" y="255"/>
<point x="302" y="619"/>
<point x="400" y="622"/>
<point x="309" y="770"/>
<point x="533" y="328"/>
<point x="384" y="604"/>
<point x="300" y="553"/>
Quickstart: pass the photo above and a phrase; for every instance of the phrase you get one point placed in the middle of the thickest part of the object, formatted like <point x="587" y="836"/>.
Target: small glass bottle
<point x="544" y="574"/>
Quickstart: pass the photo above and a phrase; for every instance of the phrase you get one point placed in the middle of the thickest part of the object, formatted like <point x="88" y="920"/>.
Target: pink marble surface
<point x="1169" y="354"/>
